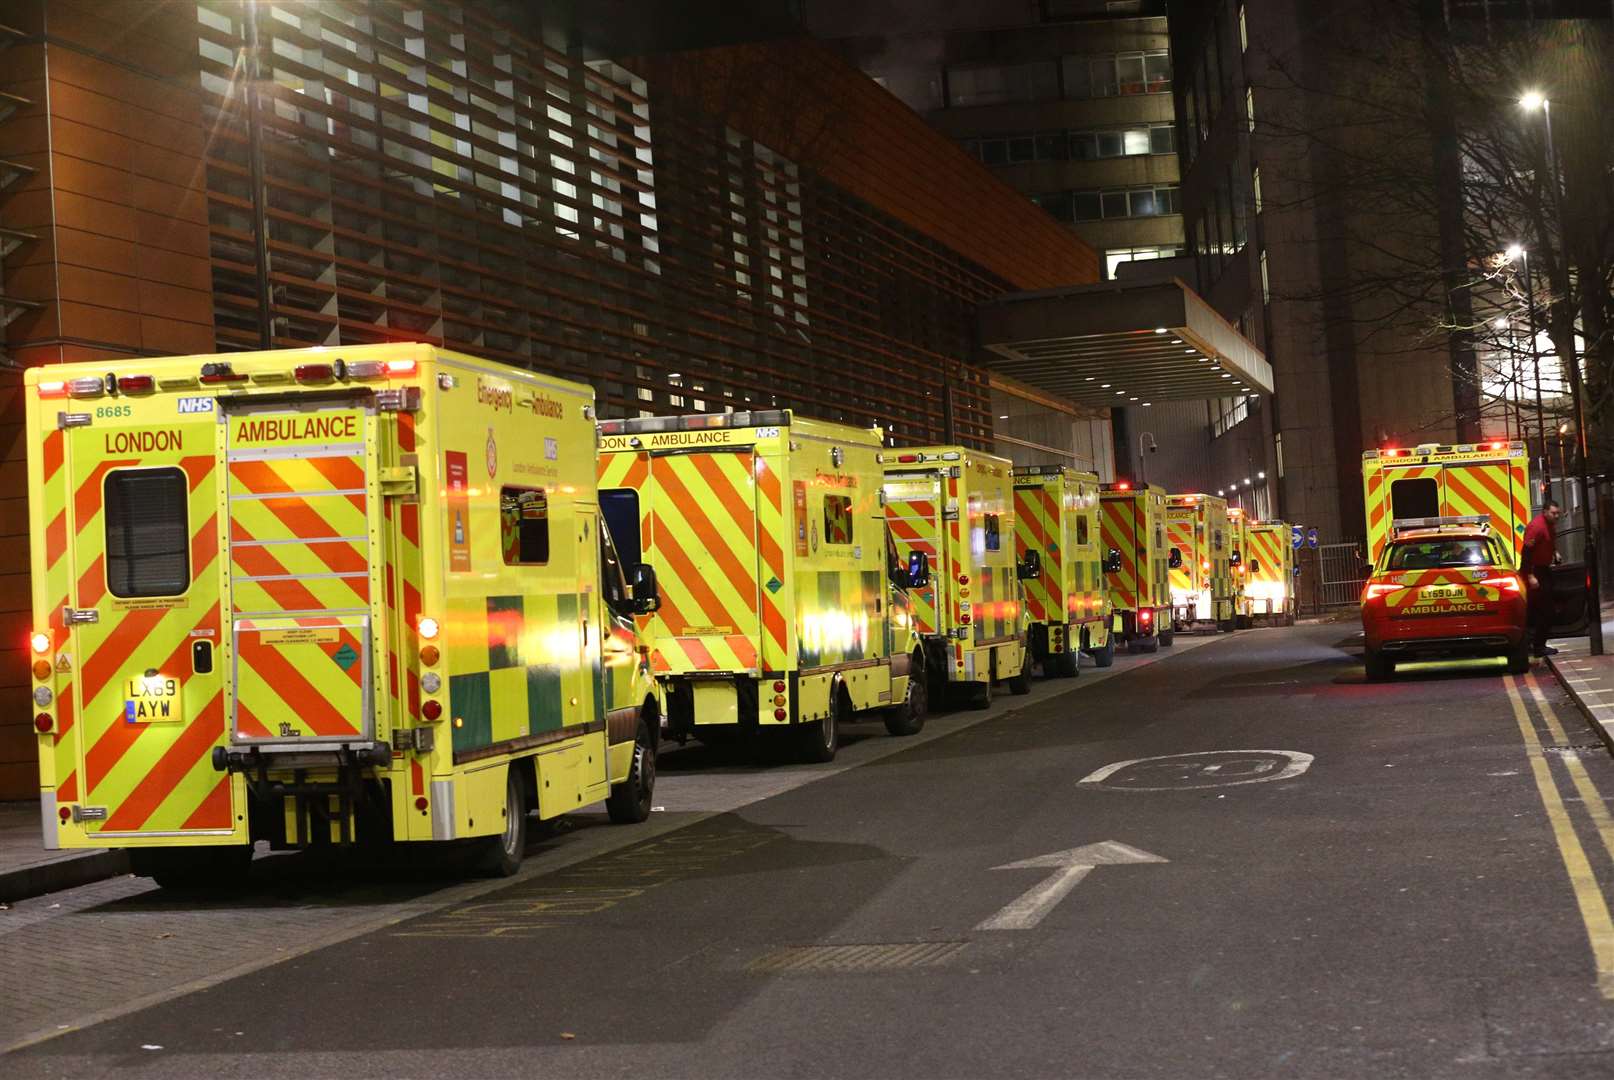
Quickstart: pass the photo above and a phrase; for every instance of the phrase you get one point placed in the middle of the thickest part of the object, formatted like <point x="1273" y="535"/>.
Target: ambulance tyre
<point x="629" y="801"/>
<point x="1167" y="638"/>
<point x="1519" y="660"/>
<point x="1379" y="667"/>
<point x="980" y="695"/>
<point x="500" y="855"/>
<point x="1105" y="656"/>
<point x="819" y="740"/>
<point x="1020" y="685"/>
<point x="1067" y="665"/>
<point x="193" y="869"/>
<point x="908" y="718"/>
<point x="1147" y="644"/>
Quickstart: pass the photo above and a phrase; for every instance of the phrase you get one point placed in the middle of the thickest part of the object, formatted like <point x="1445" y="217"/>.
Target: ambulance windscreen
<point x="147" y="532"/>
<point x="620" y="507"/>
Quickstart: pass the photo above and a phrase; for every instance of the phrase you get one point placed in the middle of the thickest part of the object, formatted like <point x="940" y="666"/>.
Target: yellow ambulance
<point x="1056" y="515"/>
<point x="1199" y="558"/>
<point x="781" y="604"/>
<point x="952" y="508"/>
<point x="1269" y="563"/>
<point x="324" y="596"/>
<point x="1238" y="541"/>
<point x="1434" y="481"/>
<point x="1134" y="532"/>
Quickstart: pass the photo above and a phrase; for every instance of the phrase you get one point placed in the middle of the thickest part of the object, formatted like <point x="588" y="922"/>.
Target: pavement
<point x="26" y="869"/>
<point x="1236" y="860"/>
<point x="1590" y="679"/>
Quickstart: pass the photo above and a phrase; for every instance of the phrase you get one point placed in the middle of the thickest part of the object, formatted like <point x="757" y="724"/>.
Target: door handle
<point x="80" y="615"/>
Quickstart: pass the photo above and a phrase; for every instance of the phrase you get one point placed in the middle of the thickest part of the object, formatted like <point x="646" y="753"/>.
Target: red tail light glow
<point x="136" y="384"/>
<point x="432" y="710"/>
<point x="400" y="367"/>
<point x="1376" y="589"/>
<point x="1506" y="582"/>
<point x="314" y="373"/>
<point x="54" y="388"/>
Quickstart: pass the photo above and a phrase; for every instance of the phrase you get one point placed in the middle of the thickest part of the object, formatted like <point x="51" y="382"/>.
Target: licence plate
<point x="152" y="699"/>
<point x="1442" y="592"/>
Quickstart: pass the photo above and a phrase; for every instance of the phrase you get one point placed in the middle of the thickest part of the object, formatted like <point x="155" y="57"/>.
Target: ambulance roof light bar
<point x="1400" y="525"/>
<point x="650" y="425"/>
<point x="916" y="458"/>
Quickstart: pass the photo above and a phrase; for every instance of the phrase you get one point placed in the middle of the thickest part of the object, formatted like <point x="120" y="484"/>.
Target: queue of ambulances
<point x="951" y="509"/>
<point x="1269" y="577"/>
<point x="1199" y="559"/>
<point x="1491" y="479"/>
<point x="781" y="603"/>
<point x="324" y="596"/>
<point x="1056" y="515"/>
<point x="1138" y="564"/>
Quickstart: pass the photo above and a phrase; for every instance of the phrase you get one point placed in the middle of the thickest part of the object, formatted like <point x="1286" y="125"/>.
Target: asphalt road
<point x="1352" y="880"/>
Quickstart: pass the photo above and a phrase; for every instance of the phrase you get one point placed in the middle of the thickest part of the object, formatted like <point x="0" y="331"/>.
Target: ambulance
<point x="324" y="597"/>
<point x="952" y="509"/>
<point x="1269" y="578"/>
<point x="1199" y="559"/>
<point x="1435" y="481"/>
<point x="782" y="607"/>
<point x="1134" y="532"/>
<point x="1056" y="515"/>
<point x="1238" y="540"/>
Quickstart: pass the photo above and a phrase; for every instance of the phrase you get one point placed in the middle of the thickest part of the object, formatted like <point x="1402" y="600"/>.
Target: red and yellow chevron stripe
<point x="1120" y="533"/>
<point x="913" y="514"/>
<point x="1037" y="528"/>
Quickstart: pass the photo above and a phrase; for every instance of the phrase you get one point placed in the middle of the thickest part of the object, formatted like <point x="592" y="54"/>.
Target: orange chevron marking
<point x="178" y="760"/>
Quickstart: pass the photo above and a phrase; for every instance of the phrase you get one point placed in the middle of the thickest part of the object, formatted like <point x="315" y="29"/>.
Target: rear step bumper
<point x="281" y="757"/>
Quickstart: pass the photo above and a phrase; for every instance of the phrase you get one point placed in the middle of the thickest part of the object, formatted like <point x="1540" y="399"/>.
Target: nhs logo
<point x="195" y="405"/>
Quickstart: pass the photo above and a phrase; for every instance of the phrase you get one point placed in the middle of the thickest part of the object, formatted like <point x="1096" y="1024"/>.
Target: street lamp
<point x="1530" y="101"/>
<point x="1145" y="439"/>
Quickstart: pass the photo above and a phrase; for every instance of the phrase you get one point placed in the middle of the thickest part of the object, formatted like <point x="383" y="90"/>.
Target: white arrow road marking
<point x="1069" y="868"/>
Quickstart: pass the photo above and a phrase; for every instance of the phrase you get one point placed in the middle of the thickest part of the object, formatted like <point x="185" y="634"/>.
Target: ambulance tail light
<point x="1376" y="589"/>
<point x="314" y="373"/>
<point x="780" y="714"/>
<point x="53" y="389"/>
<point x="1146" y="616"/>
<point x="215" y="373"/>
<point x="40" y="642"/>
<point x="963" y="579"/>
<point x="432" y="710"/>
<point x="136" y="384"/>
<point x="400" y="368"/>
<point x="43" y="723"/>
<point x="778" y="686"/>
<point x="1123" y="486"/>
<point x="1508" y="583"/>
<point x="65" y="813"/>
<point x="908" y="459"/>
<point x="42" y="669"/>
<point x="427" y="626"/>
<point x="90" y="387"/>
<point x="1204" y="564"/>
<point x="1391" y="451"/>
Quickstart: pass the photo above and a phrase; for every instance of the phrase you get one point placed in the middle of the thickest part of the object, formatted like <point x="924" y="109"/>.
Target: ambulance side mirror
<point x="1175" y="560"/>
<point x="1031" y="566"/>
<point x="1112" y="562"/>
<point x="646" y="595"/>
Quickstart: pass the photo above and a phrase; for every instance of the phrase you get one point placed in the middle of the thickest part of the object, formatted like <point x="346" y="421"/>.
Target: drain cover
<point x="895" y="957"/>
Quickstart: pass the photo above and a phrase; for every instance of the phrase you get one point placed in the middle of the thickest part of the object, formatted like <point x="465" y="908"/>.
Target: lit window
<point x="1249" y="106"/>
<point x="1244" y="32"/>
<point x="1266" y="284"/>
<point x="1255" y="186"/>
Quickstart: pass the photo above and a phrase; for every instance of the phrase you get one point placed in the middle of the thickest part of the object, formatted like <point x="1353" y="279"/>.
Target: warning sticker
<point x="299" y="635"/>
<point x="459" y="511"/>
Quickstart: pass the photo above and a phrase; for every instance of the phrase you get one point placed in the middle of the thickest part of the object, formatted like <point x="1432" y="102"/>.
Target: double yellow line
<point x="1589" y="896"/>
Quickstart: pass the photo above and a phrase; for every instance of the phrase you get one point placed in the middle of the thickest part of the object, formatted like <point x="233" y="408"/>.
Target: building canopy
<point x="1120" y="344"/>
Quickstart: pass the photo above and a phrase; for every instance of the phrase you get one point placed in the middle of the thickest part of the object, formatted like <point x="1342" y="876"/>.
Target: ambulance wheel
<point x="1379" y="667"/>
<point x="1067" y="665"/>
<point x="1519" y="660"/>
<point x="194" y="869"/>
<point x="1020" y="685"/>
<point x="1167" y="638"/>
<point x="980" y="695"/>
<point x="1147" y="645"/>
<point x="1225" y="626"/>
<point x="1105" y="656"/>
<point x="908" y="718"/>
<point x="820" y="739"/>
<point x="1242" y="622"/>
<point x="629" y="801"/>
<point x="500" y="855"/>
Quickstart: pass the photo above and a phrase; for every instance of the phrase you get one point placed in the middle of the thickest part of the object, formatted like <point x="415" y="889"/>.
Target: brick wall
<point x="120" y="264"/>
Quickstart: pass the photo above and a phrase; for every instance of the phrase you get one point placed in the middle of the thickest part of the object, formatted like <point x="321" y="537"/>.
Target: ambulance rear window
<point x="1081" y="529"/>
<point x="1415" y="498"/>
<point x="1444" y="554"/>
<point x="147" y="532"/>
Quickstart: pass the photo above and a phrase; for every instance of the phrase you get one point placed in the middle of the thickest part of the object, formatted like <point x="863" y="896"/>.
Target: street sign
<point x="1069" y="867"/>
<point x="1311" y="539"/>
<point x="1297" y="536"/>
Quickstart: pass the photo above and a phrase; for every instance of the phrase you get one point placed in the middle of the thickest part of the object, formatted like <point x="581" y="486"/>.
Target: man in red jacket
<point x="1540" y="552"/>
